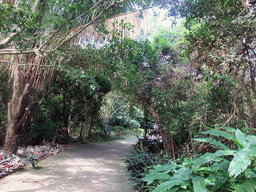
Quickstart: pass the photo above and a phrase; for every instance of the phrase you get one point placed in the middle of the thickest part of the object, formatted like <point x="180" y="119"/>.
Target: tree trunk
<point x="24" y="77"/>
<point x="17" y="110"/>
<point x="145" y="123"/>
<point x="166" y="136"/>
<point x="90" y="127"/>
<point x="251" y="107"/>
<point x="81" y="134"/>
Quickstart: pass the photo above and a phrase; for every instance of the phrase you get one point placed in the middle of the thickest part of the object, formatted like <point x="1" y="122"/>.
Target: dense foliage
<point x="226" y="169"/>
<point x="197" y="74"/>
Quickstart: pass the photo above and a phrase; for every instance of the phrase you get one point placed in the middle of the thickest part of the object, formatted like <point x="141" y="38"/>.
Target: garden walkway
<point x="94" y="167"/>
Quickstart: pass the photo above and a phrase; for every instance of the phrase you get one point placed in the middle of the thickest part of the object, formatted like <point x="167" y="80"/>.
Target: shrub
<point x="120" y="130"/>
<point x="145" y="154"/>
<point x="225" y="170"/>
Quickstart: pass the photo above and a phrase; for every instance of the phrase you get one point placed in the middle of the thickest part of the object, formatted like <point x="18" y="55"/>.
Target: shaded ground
<point x="94" y="167"/>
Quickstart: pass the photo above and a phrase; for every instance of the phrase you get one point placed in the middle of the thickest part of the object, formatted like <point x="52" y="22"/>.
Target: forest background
<point x="194" y="75"/>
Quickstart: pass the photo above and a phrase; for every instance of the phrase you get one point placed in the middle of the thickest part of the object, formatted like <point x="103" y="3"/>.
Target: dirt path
<point x="95" y="167"/>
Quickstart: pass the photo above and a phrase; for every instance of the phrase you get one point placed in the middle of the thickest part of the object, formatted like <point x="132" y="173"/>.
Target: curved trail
<point x="94" y="167"/>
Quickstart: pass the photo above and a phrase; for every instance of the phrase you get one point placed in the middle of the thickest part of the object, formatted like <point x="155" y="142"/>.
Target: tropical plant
<point x="225" y="170"/>
<point x="145" y="154"/>
<point x="110" y="106"/>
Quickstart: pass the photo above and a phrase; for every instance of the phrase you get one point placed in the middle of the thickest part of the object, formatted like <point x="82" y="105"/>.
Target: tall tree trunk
<point x="25" y="77"/>
<point x="251" y="106"/>
<point x="82" y="131"/>
<point x="90" y="127"/>
<point x="145" y="123"/>
<point x="17" y="109"/>
<point x="166" y="136"/>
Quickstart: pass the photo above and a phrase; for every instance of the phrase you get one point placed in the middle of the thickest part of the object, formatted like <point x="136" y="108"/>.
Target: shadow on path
<point x="94" y="167"/>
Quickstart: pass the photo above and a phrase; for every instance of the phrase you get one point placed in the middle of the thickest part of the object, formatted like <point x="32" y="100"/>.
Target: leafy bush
<point x="145" y="154"/>
<point x="120" y="130"/>
<point x="225" y="170"/>
<point x="124" y="121"/>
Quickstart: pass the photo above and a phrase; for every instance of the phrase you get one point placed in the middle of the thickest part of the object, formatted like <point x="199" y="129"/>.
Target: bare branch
<point x="7" y="40"/>
<point x="93" y="7"/>
<point x="20" y="51"/>
<point x="109" y="4"/>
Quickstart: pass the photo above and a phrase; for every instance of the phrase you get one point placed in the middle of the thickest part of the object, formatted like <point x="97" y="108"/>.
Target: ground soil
<point x="93" y="167"/>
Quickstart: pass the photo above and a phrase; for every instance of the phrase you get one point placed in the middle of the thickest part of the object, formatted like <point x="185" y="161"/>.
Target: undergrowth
<point x="145" y="153"/>
<point x="226" y="169"/>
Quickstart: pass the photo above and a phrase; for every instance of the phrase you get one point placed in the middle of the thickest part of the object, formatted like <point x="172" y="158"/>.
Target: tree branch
<point x="8" y="39"/>
<point x="20" y="51"/>
<point x="109" y="4"/>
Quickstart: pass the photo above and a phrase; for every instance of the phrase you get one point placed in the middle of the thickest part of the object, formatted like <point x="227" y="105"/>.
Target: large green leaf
<point x="221" y="180"/>
<point x="251" y="140"/>
<point x="220" y="133"/>
<point x="153" y="176"/>
<point x="239" y="163"/>
<point x="221" y="166"/>
<point x="247" y="186"/>
<point x="182" y="174"/>
<point x="229" y="129"/>
<point x="199" y="184"/>
<point x="240" y="137"/>
<point x="167" y="185"/>
<point x="207" y="157"/>
<point x="213" y="142"/>
<point x="250" y="173"/>
<point x="166" y="167"/>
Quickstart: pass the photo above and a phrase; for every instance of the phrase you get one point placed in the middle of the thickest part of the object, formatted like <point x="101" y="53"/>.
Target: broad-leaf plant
<point x="227" y="169"/>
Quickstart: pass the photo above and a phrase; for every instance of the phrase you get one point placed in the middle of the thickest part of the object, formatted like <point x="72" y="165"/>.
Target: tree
<point x="34" y="38"/>
<point x="221" y="40"/>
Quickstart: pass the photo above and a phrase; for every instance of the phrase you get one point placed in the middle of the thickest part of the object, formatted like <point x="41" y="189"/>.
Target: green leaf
<point x="221" y="180"/>
<point x="211" y="180"/>
<point x="252" y="140"/>
<point x="232" y="130"/>
<point x="167" y="185"/>
<point x="213" y="142"/>
<point x="199" y="184"/>
<point x="247" y="186"/>
<point x="182" y="174"/>
<point x="221" y="166"/>
<point x="207" y="157"/>
<point x="250" y="173"/>
<point x="219" y="133"/>
<point x="239" y="163"/>
<point x="240" y="137"/>
<point x="153" y="176"/>
<point x="166" y="167"/>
